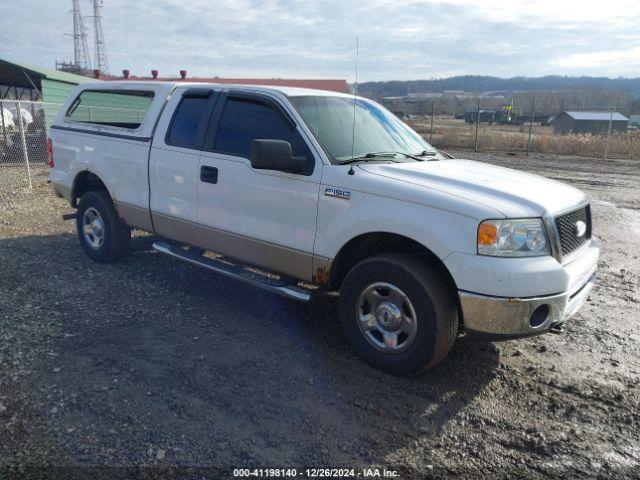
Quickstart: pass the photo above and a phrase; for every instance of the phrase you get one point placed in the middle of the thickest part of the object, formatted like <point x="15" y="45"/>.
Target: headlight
<point x="513" y="238"/>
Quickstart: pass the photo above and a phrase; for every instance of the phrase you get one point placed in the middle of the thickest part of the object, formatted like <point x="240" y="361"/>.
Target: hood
<point x="513" y="193"/>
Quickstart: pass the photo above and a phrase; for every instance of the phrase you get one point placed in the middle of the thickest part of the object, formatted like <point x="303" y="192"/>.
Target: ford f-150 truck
<point x="297" y="190"/>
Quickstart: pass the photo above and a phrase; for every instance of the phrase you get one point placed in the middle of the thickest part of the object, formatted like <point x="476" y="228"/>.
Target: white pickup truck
<point x="297" y="190"/>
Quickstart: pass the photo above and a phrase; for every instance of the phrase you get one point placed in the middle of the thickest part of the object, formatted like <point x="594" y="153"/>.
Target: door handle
<point x="208" y="174"/>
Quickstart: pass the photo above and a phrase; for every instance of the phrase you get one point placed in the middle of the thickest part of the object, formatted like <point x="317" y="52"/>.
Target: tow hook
<point x="557" y="329"/>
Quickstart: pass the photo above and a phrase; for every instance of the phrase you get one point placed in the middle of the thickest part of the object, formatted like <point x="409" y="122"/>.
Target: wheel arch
<point x="373" y="243"/>
<point x="86" y="181"/>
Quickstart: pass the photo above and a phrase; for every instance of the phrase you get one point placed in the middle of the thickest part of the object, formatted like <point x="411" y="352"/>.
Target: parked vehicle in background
<point x="484" y="116"/>
<point x="288" y="182"/>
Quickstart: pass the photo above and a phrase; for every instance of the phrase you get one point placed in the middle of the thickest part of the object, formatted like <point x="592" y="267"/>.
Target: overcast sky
<point x="399" y="39"/>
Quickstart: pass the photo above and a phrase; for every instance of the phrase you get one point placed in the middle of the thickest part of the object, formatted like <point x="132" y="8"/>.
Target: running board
<point x="257" y="280"/>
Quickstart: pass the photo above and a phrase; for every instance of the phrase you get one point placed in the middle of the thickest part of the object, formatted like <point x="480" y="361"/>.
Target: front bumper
<point x="499" y="318"/>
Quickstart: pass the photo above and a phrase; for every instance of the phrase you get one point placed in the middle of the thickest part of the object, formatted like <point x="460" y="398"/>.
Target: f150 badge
<point x="338" y="193"/>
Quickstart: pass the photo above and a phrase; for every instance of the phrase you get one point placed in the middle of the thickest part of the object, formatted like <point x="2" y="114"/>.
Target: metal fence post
<point x="4" y="127"/>
<point x="23" y="141"/>
<point x="477" y="126"/>
<point x="533" y="113"/>
<point x="431" y="129"/>
<point x="606" y="140"/>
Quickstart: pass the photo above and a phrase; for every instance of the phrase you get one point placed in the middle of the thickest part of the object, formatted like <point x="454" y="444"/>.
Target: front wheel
<point x="103" y="236"/>
<point x="399" y="313"/>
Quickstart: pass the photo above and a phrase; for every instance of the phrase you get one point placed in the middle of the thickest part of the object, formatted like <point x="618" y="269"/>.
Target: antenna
<point x="81" y="57"/>
<point x="100" y="50"/>
<point x="355" y="97"/>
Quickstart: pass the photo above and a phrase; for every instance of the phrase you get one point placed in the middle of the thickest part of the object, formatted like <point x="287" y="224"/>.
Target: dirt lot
<point x="155" y="363"/>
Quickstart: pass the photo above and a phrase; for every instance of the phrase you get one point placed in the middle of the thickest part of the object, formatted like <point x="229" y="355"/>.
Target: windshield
<point x="376" y="129"/>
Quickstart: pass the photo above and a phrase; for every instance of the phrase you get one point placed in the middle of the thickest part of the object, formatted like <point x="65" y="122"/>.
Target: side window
<point x="116" y="108"/>
<point x="189" y="117"/>
<point x="244" y="120"/>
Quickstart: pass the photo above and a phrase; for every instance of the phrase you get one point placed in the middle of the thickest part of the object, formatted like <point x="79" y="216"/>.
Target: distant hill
<point x="479" y="83"/>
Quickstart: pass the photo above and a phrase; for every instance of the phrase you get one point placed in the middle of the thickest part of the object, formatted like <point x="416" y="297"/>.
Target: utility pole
<point x="81" y="58"/>
<point x="100" y="51"/>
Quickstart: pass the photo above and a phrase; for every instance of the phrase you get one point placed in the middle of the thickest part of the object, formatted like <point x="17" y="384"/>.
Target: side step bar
<point x="238" y="273"/>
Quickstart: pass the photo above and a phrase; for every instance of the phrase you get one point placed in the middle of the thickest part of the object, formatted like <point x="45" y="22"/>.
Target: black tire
<point x="116" y="237"/>
<point x="432" y="298"/>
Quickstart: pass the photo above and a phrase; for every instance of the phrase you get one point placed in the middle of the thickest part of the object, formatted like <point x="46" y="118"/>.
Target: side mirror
<point x="267" y="154"/>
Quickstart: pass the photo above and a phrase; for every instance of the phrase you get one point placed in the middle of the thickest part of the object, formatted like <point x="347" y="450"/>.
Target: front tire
<point x="398" y="313"/>
<point x="103" y="236"/>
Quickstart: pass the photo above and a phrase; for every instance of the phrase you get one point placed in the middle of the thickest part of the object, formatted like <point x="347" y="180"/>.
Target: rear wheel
<point x="399" y="313"/>
<point x="103" y="236"/>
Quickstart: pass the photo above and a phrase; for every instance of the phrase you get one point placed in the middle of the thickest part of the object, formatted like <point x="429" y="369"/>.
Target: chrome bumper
<point x="504" y="318"/>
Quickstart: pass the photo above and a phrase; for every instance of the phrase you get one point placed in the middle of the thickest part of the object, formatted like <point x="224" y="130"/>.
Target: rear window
<point x="124" y="109"/>
<point x="189" y="117"/>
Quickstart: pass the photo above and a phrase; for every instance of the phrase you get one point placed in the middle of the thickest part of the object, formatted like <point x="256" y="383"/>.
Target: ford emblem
<point x="581" y="228"/>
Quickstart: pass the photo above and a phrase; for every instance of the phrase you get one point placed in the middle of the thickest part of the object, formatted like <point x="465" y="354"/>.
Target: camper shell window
<point x="115" y="108"/>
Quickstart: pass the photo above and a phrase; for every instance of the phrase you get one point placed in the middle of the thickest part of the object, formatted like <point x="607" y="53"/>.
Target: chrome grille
<point x="567" y="229"/>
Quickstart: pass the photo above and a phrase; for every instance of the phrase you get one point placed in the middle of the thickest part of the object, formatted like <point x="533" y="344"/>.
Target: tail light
<point x="50" y="152"/>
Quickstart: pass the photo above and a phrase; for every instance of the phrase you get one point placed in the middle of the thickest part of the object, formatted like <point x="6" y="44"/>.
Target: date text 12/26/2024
<point x="315" y="473"/>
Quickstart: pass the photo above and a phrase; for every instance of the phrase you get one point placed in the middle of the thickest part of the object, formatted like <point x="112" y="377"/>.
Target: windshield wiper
<point x="415" y="156"/>
<point x="368" y="156"/>
<point x="427" y="153"/>
<point x="373" y="155"/>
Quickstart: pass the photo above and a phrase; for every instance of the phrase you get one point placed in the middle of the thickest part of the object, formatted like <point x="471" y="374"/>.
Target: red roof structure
<point x="334" y="85"/>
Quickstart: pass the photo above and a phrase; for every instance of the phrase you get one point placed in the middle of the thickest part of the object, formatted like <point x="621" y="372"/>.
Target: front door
<point x="264" y="217"/>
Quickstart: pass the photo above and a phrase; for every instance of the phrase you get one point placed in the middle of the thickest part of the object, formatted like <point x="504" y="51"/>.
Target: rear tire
<point x="399" y="313"/>
<point x="103" y="236"/>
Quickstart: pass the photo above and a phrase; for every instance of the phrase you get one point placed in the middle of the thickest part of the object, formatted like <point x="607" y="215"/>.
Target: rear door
<point x="263" y="217"/>
<point x="174" y="164"/>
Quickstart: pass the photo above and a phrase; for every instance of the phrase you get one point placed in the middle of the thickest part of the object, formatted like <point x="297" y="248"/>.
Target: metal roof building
<point x="590" y="122"/>
<point x="26" y="82"/>
<point x="19" y="81"/>
<point x="334" y="85"/>
<point x="331" y="84"/>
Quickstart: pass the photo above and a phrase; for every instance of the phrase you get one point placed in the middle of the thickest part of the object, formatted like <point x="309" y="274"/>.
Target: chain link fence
<point x="23" y="142"/>
<point x="496" y="126"/>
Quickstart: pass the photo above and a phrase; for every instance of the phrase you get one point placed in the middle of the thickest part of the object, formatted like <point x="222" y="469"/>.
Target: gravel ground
<point x="159" y="366"/>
